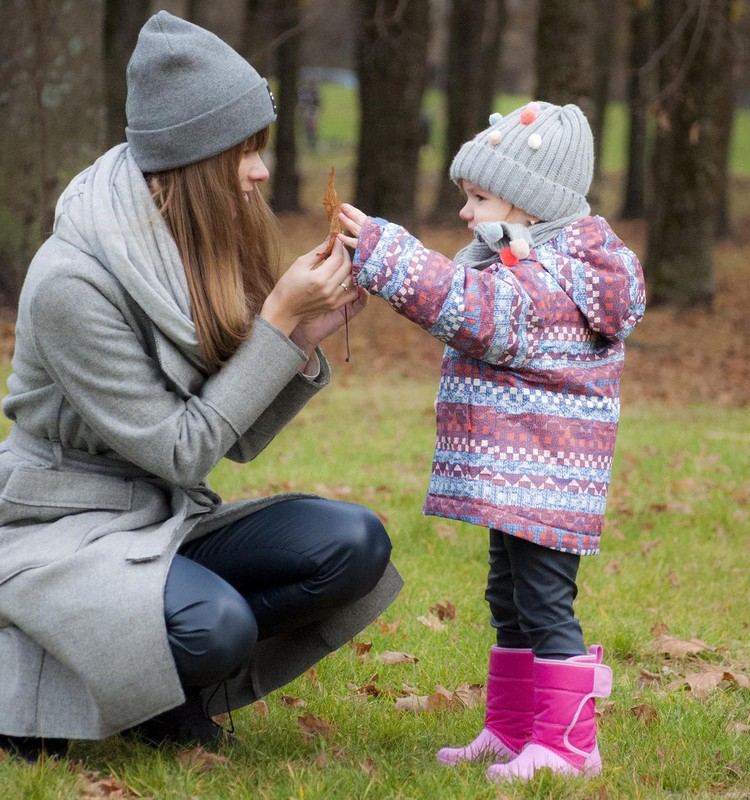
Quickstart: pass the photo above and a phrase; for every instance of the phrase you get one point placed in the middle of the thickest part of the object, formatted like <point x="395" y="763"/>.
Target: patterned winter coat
<point x="528" y="404"/>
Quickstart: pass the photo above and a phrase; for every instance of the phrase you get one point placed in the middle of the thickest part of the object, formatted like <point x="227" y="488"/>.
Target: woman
<point x="151" y="342"/>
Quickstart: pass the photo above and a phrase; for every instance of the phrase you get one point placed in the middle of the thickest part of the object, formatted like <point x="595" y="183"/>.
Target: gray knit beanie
<point x="539" y="157"/>
<point x="190" y="95"/>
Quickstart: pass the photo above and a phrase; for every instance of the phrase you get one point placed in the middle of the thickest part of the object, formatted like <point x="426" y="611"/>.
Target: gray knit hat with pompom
<point x="540" y="158"/>
<point x="190" y="95"/>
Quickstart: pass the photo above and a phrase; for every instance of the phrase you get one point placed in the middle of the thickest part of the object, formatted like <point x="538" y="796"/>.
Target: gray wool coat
<point x="103" y="475"/>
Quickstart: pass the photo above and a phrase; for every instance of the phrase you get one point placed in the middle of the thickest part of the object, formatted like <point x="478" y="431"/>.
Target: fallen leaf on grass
<point x="466" y="695"/>
<point x="291" y="701"/>
<point x="260" y="708"/>
<point x="445" y="610"/>
<point x="369" y="767"/>
<point x="645" y="713"/>
<point x="93" y="785"/>
<point x="200" y="759"/>
<point x="388" y="627"/>
<point x="703" y="681"/>
<point x="677" y="648"/>
<point x="432" y="622"/>
<point x="392" y="657"/>
<point x="312" y="726"/>
<point x="361" y="648"/>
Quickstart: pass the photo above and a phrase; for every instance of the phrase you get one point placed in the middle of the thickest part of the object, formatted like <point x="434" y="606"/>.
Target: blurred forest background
<point x="387" y="90"/>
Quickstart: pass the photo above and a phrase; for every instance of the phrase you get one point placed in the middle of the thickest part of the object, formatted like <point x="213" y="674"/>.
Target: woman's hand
<point x="311" y="288"/>
<point x="352" y="219"/>
<point x="308" y="335"/>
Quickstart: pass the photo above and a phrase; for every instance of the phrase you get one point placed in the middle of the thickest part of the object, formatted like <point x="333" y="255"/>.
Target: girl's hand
<point x="352" y="219"/>
<point x="311" y="288"/>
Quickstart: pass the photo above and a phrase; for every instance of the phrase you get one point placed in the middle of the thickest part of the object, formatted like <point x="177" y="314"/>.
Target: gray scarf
<point x="109" y="212"/>
<point x="491" y="237"/>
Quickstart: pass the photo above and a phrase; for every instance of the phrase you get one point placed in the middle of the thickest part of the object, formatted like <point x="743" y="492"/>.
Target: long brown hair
<point x="229" y="246"/>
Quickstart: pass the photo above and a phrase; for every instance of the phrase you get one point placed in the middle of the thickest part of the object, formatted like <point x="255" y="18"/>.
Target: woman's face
<point x="252" y="170"/>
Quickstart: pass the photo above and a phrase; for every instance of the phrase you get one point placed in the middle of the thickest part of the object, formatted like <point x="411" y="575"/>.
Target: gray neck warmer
<point x="491" y="237"/>
<point x="108" y="212"/>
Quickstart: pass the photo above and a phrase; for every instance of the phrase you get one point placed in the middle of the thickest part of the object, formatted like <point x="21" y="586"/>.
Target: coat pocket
<point x="44" y="494"/>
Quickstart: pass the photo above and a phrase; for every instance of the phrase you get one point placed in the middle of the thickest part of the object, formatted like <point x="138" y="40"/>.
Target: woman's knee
<point x="369" y="550"/>
<point x="211" y="629"/>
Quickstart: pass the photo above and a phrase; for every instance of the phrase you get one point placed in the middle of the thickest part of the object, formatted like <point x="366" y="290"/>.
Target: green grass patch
<point x="674" y="555"/>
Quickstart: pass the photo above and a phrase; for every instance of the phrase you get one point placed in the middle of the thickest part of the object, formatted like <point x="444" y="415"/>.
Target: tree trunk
<point x="603" y="42"/>
<point x="639" y="50"/>
<point x="392" y="67"/>
<point x="689" y="151"/>
<point x="286" y="175"/>
<point x="725" y="120"/>
<point x="51" y="71"/>
<point x="225" y="18"/>
<point x="564" y="53"/>
<point x="123" y="20"/>
<point x="473" y="54"/>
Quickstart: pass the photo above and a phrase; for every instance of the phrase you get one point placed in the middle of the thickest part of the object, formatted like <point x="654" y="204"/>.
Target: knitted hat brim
<point x="203" y="136"/>
<point x="516" y="183"/>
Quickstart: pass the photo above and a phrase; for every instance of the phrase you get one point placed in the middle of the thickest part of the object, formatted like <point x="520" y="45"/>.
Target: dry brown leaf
<point x="645" y="677"/>
<point x="680" y="648"/>
<point x="469" y="695"/>
<point x="291" y="701"/>
<point x="93" y="785"/>
<point x="200" y="759"/>
<point x="362" y="648"/>
<point x="312" y="676"/>
<point x="369" y="767"/>
<point x="412" y="702"/>
<point x="444" y="610"/>
<point x="260" y="708"/>
<point x="645" y="713"/>
<point x="332" y="206"/>
<point x="311" y="726"/>
<point x="432" y="622"/>
<point x="701" y="682"/>
<point x="391" y="657"/>
<point x="388" y="627"/>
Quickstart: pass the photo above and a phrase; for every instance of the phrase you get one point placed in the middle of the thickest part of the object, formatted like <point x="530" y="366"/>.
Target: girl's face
<point x="483" y="206"/>
<point x="252" y="170"/>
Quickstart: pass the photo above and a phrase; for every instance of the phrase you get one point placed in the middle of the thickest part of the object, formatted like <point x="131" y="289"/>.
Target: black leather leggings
<point x="531" y="590"/>
<point x="282" y="567"/>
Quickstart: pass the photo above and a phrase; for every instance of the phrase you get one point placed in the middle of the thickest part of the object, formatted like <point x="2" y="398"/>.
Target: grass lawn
<point x="674" y="560"/>
<point x="667" y="597"/>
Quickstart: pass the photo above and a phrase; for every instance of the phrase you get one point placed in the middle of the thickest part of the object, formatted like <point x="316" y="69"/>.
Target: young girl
<point x="152" y="341"/>
<point x="534" y="313"/>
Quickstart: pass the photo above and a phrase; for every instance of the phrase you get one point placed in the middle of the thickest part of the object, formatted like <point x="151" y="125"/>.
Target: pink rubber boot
<point x="510" y="710"/>
<point x="564" y="732"/>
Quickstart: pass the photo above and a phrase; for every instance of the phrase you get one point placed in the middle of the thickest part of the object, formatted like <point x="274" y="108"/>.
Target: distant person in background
<point x="309" y="105"/>
<point x="154" y="340"/>
<point x="534" y="313"/>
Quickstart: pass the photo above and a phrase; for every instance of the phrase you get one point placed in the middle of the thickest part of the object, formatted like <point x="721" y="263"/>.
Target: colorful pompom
<point x="494" y="137"/>
<point x="520" y="248"/>
<point x="508" y="257"/>
<point x="529" y="114"/>
<point x="496" y="119"/>
<point x="535" y="141"/>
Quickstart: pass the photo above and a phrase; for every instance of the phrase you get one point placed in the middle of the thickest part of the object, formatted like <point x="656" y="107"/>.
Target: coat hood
<point x="599" y="274"/>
